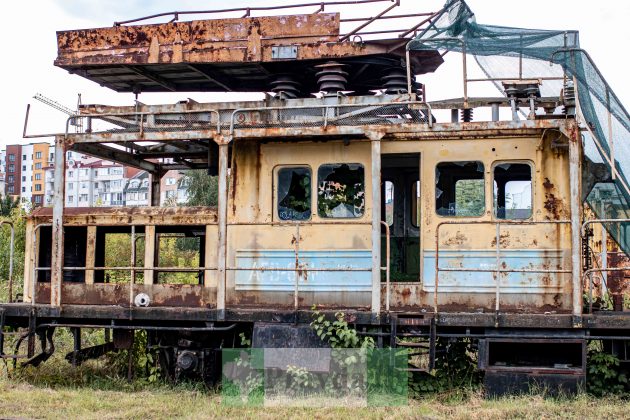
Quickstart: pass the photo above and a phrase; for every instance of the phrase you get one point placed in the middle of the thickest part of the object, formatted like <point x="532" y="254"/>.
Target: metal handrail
<point x="497" y="270"/>
<point x="325" y="119"/>
<point x="297" y="269"/>
<point x="248" y="10"/>
<point x="589" y="273"/>
<point x="387" y="272"/>
<point x="143" y="117"/>
<point x="601" y="221"/>
<point x="11" y="246"/>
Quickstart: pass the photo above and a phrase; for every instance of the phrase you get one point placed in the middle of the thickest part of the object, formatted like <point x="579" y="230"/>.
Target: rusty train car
<point x="359" y="199"/>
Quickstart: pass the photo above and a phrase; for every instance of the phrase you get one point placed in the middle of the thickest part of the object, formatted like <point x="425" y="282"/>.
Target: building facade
<point x="13" y="158"/>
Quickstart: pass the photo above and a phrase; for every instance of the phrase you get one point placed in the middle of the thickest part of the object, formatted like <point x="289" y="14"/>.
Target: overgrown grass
<point x="28" y="396"/>
<point x="96" y="390"/>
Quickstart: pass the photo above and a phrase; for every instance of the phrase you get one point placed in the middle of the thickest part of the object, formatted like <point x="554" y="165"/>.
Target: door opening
<point x="400" y="195"/>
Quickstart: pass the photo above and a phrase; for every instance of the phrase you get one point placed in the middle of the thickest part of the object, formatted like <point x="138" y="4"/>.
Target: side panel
<point x="258" y="239"/>
<point x="470" y="243"/>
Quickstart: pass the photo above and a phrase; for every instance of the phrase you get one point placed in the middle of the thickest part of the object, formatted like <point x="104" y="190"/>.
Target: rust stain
<point x="504" y="240"/>
<point x="554" y="205"/>
<point x="458" y="239"/>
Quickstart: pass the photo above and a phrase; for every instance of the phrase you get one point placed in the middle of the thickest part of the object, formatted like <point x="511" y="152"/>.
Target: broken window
<point x="389" y="203"/>
<point x="513" y="191"/>
<point x="294" y="193"/>
<point x="340" y="191"/>
<point x="459" y="189"/>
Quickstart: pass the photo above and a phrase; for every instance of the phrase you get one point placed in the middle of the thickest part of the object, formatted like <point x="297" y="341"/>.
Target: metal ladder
<point x="415" y="326"/>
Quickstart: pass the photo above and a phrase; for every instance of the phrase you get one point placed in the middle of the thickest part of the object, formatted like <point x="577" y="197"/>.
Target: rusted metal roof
<point x="238" y="54"/>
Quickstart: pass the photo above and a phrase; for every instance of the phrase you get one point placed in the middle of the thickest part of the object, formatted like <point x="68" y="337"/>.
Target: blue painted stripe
<point x="284" y="281"/>
<point x="484" y="282"/>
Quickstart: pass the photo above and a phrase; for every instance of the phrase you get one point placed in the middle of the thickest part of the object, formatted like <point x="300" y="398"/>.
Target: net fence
<point x="556" y="57"/>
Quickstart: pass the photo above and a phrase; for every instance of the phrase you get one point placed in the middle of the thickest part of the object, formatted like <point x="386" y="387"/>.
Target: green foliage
<point x="145" y="366"/>
<point x="203" y="189"/>
<point x="455" y="368"/>
<point x="7" y="205"/>
<point x="118" y="254"/>
<point x="469" y="197"/>
<point x="342" y="188"/>
<point x="245" y="342"/>
<point x="604" y="374"/>
<point x="338" y="333"/>
<point x="173" y="252"/>
<point x="17" y="217"/>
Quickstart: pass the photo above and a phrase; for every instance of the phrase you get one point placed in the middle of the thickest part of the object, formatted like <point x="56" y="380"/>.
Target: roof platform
<point x="245" y="54"/>
<point x="186" y="135"/>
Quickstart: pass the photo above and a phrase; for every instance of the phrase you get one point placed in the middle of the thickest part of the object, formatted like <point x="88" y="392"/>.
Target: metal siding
<point x="484" y="282"/>
<point x="340" y="281"/>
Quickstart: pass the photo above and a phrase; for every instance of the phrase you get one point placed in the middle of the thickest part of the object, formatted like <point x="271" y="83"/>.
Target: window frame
<point x="365" y="191"/>
<point x="275" y="197"/>
<point x="485" y="192"/>
<point x="532" y="168"/>
<point x="385" y="181"/>
<point x="415" y="222"/>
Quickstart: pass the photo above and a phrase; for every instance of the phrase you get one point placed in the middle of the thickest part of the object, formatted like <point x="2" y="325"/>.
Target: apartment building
<point x="27" y="172"/>
<point x="3" y="170"/>
<point x="24" y="171"/>
<point x="39" y="159"/>
<point x="13" y="157"/>
<point x="172" y="192"/>
<point x="90" y="182"/>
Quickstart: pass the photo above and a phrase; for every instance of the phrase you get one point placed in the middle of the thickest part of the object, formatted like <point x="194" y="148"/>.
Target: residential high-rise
<point x="13" y="180"/>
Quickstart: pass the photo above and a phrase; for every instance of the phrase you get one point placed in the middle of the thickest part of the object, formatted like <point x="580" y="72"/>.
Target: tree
<point x="7" y="204"/>
<point x="203" y="189"/>
<point x="17" y="216"/>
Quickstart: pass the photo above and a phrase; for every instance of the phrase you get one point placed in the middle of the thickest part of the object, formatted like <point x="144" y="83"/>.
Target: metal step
<point x="415" y="321"/>
<point x="28" y="335"/>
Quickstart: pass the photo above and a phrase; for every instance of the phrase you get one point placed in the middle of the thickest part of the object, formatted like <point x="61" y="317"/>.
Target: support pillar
<point x="222" y="220"/>
<point x="90" y="255"/>
<point x="154" y="185"/>
<point x="149" y="253"/>
<point x="376" y="227"/>
<point x="574" y="183"/>
<point x="56" y="274"/>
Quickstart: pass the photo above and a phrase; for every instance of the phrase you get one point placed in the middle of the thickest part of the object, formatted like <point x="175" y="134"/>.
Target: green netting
<point x="502" y="51"/>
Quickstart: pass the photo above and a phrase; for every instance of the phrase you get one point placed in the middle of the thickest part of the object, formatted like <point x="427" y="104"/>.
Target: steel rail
<point x="142" y="121"/>
<point x="356" y="30"/>
<point x="136" y="327"/>
<point x="248" y="10"/>
<point x="325" y="119"/>
<point x="195" y="269"/>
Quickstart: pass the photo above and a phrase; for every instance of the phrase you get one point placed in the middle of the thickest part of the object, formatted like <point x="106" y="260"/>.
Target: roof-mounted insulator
<point x="331" y="78"/>
<point x="286" y="87"/>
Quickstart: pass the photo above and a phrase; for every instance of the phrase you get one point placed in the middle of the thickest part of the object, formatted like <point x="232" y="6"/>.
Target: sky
<point x="29" y="48"/>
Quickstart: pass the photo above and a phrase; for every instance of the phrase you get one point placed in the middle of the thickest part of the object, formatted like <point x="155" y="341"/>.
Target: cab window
<point x="459" y="189"/>
<point x="512" y="191"/>
<point x="341" y="190"/>
<point x="294" y="193"/>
